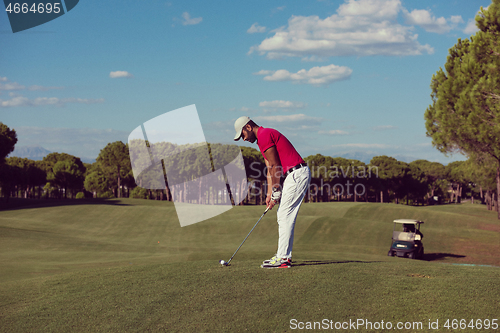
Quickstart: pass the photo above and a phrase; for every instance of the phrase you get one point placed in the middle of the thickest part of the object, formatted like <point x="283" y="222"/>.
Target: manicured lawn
<point x="126" y="265"/>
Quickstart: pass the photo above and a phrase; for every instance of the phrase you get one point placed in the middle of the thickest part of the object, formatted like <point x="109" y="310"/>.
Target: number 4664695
<point x="35" y="8"/>
<point x="473" y="324"/>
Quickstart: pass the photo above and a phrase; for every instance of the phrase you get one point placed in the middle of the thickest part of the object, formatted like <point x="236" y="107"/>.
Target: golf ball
<point x="222" y="262"/>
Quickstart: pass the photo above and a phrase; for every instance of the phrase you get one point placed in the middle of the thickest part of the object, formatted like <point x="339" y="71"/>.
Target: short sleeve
<point x="265" y="141"/>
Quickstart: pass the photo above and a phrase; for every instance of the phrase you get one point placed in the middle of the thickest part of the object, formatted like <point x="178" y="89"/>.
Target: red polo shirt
<point x="268" y="137"/>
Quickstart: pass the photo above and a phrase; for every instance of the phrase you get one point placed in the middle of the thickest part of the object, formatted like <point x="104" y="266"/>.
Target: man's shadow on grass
<point x="426" y="257"/>
<point x="329" y="262"/>
<point x="18" y="203"/>
<point x="440" y="256"/>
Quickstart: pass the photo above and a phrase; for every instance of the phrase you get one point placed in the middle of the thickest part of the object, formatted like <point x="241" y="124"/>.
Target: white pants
<point x="294" y="189"/>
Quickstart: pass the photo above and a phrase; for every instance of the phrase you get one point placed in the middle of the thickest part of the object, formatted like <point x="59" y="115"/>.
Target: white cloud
<point x="21" y="101"/>
<point x="244" y="110"/>
<point x="360" y="28"/>
<point x="362" y="145"/>
<point x="17" y="100"/>
<point x="471" y="27"/>
<point x="334" y="132"/>
<point x="119" y="74"/>
<point x="425" y="144"/>
<point x="13" y="102"/>
<point x="10" y="85"/>
<point x="381" y="9"/>
<point x="263" y="72"/>
<point x="384" y="128"/>
<point x="282" y="104"/>
<point x="300" y="119"/>
<point x="456" y="19"/>
<point x="316" y="76"/>
<point x="313" y="58"/>
<point x="289" y="125"/>
<point x="42" y="88"/>
<point x="256" y="28"/>
<point x="424" y="18"/>
<point x="188" y="20"/>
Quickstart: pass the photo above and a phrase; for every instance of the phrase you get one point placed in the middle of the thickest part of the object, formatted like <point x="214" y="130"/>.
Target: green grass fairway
<point x="127" y="266"/>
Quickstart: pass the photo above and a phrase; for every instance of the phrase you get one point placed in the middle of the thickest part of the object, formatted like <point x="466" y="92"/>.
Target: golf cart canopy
<point x="408" y="221"/>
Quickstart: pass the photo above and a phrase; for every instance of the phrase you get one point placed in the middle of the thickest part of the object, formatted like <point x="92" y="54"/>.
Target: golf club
<point x="224" y="263"/>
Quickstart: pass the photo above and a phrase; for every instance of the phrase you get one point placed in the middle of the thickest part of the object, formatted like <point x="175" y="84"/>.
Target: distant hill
<point x="32" y="152"/>
<point x="360" y="156"/>
<point x="37" y="153"/>
<point x="366" y="157"/>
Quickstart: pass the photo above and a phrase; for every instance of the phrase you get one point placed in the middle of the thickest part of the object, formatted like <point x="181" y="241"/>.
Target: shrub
<point x="105" y="195"/>
<point x="139" y="193"/>
<point x="80" y="195"/>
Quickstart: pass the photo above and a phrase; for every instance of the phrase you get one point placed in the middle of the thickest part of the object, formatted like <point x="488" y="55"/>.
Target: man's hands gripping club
<point x="274" y="198"/>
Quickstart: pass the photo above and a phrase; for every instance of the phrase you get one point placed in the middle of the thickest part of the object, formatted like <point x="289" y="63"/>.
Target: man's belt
<point x="292" y="169"/>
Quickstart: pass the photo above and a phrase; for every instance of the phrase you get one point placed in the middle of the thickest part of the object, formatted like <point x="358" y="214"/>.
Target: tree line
<point x="384" y="179"/>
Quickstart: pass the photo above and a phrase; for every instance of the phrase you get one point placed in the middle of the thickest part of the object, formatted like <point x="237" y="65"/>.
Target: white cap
<point x="238" y="126"/>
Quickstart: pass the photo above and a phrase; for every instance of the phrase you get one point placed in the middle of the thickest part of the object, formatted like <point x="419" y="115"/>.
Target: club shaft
<point x="247" y="236"/>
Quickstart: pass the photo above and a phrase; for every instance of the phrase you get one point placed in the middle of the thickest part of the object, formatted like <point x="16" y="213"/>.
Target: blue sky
<point x="335" y="77"/>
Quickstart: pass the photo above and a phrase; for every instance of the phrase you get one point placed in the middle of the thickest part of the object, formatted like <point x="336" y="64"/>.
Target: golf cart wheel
<point x="390" y="253"/>
<point x="411" y="255"/>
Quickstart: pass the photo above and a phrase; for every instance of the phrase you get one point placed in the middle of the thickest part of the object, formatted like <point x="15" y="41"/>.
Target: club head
<point x="222" y="262"/>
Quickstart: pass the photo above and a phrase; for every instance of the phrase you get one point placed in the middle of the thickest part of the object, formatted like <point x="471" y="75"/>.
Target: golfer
<point x="282" y="160"/>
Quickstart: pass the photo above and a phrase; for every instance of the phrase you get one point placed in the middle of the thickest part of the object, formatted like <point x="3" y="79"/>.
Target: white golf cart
<point x="407" y="239"/>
